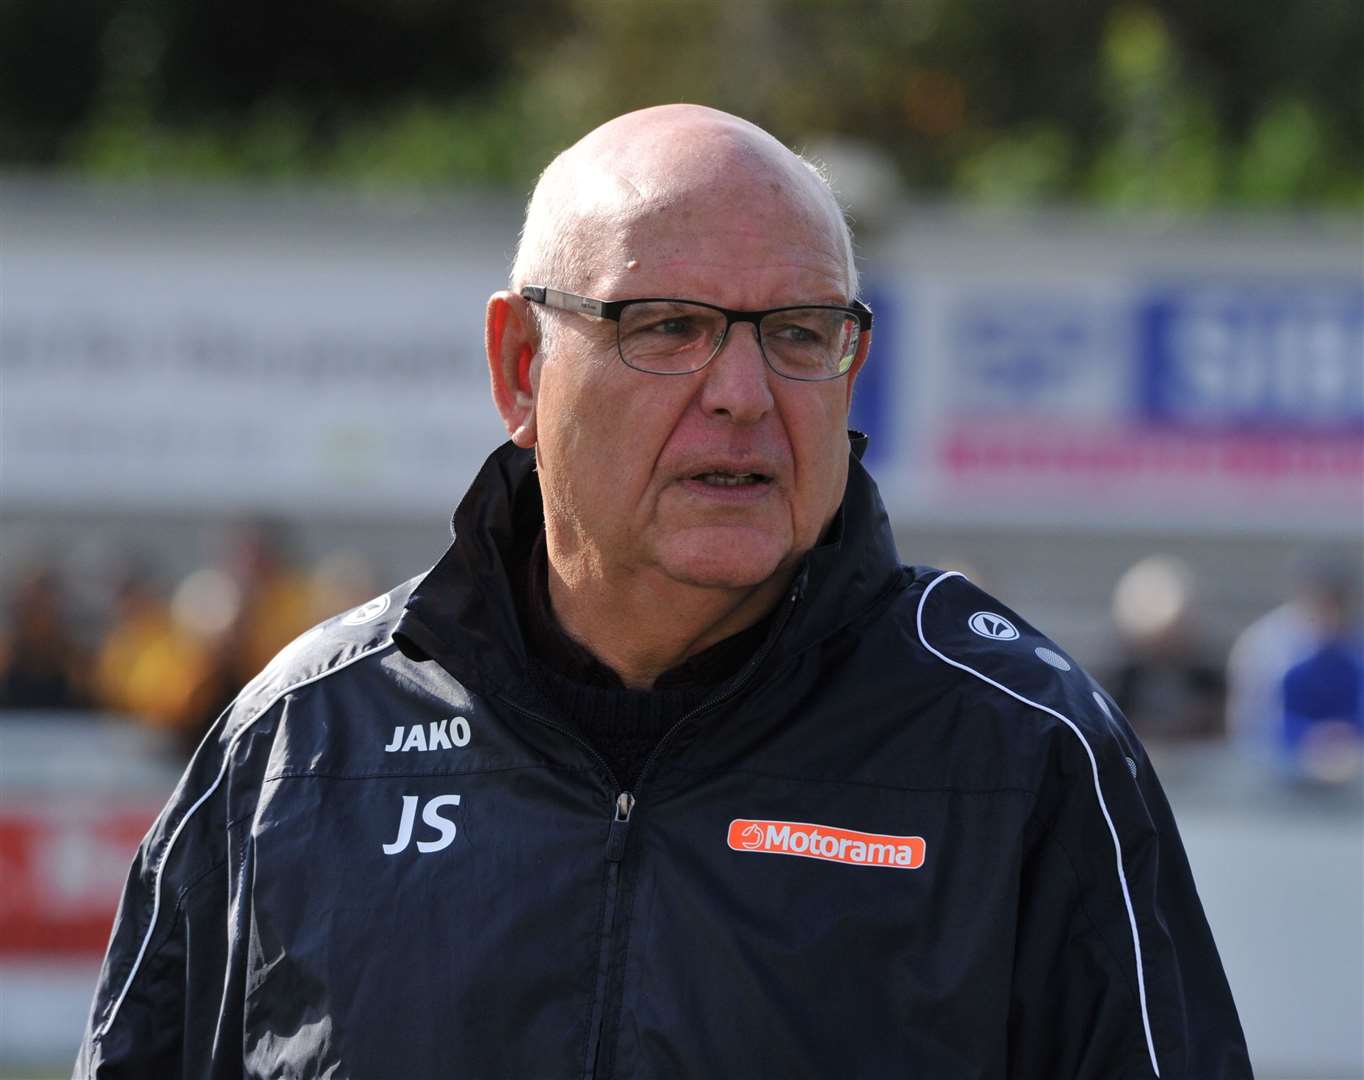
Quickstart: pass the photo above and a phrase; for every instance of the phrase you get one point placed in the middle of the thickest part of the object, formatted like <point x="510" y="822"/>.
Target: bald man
<point x="669" y="768"/>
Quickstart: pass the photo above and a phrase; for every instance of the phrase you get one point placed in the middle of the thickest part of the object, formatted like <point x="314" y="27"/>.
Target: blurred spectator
<point x="276" y="601"/>
<point x="153" y="665"/>
<point x="176" y="663"/>
<point x="172" y="663"/>
<point x="41" y="664"/>
<point x="224" y="623"/>
<point x="1296" y="676"/>
<point x="1165" y="680"/>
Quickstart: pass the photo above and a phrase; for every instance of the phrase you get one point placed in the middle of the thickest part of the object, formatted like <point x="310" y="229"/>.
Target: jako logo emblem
<point x="828" y="843"/>
<point x="995" y="627"/>
<point x="367" y="612"/>
<point x="436" y="735"/>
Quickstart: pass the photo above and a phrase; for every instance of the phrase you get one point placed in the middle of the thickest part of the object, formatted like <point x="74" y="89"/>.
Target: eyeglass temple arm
<point x="556" y="298"/>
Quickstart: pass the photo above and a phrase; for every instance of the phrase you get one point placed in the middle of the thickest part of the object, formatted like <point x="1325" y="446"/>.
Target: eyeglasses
<point x="811" y="343"/>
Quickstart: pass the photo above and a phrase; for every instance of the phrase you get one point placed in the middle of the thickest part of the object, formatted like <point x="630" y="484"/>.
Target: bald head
<point x="671" y="159"/>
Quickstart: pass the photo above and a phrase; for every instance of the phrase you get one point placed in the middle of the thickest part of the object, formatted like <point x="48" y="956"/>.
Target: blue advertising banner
<point x="1116" y="399"/>
<point x="1261" y="355"/>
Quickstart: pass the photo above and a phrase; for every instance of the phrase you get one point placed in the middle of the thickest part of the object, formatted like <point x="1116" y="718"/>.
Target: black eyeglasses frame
<point x="612" y="309"/>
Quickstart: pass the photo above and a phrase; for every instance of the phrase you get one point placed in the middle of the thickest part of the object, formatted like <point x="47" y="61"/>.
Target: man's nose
<point x="737" y="379"/>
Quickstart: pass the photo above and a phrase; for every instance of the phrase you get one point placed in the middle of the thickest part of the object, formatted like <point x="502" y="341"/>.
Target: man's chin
<point x="724" y="558"/>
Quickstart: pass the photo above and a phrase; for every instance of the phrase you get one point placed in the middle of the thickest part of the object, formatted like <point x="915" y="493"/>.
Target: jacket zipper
<point x="615" y="852"/>
<point x="620" y="824"/>
<point x="622" y="808"/>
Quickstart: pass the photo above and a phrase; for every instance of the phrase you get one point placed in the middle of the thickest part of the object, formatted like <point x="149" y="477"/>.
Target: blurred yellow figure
<point x="151" y="665"/>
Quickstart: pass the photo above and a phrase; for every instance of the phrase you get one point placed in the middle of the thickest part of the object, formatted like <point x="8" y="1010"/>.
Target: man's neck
<point x="646" y="624"/>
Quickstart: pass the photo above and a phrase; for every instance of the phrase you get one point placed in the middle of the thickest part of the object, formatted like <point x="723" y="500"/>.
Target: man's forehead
<point x="683" y="197"/>
<point x="684" y="186"/>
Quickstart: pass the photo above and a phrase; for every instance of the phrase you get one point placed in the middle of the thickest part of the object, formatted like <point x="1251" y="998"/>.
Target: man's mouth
<point x="728" y="479"/>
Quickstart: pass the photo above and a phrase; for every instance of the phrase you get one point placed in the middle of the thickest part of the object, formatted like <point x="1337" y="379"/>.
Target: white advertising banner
<point x="197" y="372"/>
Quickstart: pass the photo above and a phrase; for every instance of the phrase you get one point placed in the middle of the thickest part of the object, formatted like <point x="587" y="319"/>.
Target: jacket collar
<point x="463" y="612"/>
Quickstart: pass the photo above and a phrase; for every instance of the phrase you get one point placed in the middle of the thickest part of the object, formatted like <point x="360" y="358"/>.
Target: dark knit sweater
<point x="621" y="724"/>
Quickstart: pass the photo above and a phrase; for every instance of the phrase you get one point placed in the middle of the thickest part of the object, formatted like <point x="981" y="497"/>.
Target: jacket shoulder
<point x="328" y="647"/>
<point x="965" y="628"/>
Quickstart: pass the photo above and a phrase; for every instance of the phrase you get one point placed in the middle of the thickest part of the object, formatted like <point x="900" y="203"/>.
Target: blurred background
<point x="1118" y="377"/>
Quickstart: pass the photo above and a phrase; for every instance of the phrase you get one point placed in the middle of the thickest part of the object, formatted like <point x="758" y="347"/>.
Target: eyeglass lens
<point x="673" y="337"/>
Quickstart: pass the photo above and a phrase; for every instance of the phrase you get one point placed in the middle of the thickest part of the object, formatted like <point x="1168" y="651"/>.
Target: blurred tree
<point x="1131" y="103"/>
<point x="251" y="87"/>
<point x="49" y="72"/>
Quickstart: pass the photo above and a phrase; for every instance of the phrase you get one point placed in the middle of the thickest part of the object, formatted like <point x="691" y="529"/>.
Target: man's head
<point x="722" y="477"/>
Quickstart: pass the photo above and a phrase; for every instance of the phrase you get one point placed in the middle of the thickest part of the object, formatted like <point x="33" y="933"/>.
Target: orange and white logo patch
<point x="828" y="843"/>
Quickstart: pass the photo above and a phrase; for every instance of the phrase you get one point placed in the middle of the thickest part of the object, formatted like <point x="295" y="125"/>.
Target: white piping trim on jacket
<point x="1098" y="791"/>
<point x="103" y="1029"/>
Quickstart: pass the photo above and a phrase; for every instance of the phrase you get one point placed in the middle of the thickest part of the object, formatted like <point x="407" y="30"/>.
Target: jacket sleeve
<point x="161" y="1002"/>
<point x="1116" y="972"/>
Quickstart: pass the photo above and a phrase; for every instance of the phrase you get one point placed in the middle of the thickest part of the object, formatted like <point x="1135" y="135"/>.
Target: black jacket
<point x="910" y="838"/>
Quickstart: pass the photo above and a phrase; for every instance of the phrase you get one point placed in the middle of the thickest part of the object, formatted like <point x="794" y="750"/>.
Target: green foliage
<point x="1018" y="168"/>
<point x="1290" y="154"/>
<point x="1131" y="105"/>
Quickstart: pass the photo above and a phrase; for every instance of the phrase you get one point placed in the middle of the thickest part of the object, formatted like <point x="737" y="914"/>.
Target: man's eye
<point x="678" y="326"/>
<point x="797" y="334"/>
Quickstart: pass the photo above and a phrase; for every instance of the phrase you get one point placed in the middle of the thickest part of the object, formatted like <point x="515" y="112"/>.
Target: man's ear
<point x="863" y="348"/>
<point x="509" y="337"/>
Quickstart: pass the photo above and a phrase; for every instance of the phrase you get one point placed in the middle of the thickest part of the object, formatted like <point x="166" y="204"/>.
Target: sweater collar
<point x="552" y="646"/>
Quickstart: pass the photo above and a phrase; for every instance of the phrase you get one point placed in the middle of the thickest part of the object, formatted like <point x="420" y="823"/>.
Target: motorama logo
<point x="827" y="842"/>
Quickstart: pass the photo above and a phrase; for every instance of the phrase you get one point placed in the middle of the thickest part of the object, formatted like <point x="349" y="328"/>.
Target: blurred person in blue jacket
<point x="1296" y="676"/>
